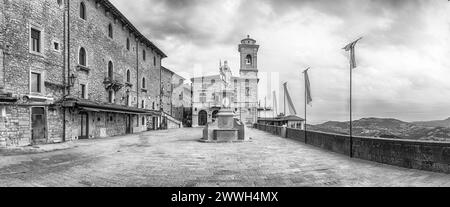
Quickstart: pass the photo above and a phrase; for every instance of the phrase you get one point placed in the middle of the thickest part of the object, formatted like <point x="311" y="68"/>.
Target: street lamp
<point x="72" y="79"/>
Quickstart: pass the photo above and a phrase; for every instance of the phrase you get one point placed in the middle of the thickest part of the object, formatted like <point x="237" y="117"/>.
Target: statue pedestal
<point x="225" y="129"/>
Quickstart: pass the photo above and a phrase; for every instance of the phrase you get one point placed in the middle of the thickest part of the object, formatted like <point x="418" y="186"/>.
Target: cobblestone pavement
<point x="176" y="158"/>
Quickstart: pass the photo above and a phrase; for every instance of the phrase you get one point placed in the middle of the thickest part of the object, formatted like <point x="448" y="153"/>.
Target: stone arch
<point x="248" y="60"/>
<point x="202" y="118"/>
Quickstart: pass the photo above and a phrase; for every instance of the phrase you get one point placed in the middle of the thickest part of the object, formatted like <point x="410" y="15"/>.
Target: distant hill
<point x="389" y="128"/>
<point x="439" y="123"/>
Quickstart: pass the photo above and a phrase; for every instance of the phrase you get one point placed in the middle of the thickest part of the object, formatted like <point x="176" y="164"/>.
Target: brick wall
<point x="421" y="155"/>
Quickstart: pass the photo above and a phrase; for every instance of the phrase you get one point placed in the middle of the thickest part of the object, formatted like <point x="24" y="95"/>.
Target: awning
<point x="91" y="109"/>
<point x="110" y="108"/>
<point x="104" y="110"/>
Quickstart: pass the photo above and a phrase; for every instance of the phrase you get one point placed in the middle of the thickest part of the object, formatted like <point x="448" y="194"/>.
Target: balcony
<point x="114" y="82"/>
<point x="83" y="68"/>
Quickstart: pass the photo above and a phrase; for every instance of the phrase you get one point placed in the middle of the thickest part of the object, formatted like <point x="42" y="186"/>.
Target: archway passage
<point x="202" y="118"/>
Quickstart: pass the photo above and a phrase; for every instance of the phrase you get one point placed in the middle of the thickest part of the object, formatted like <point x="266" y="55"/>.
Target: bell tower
<point x="248" y="92"/>
<point x="249" y="55"/>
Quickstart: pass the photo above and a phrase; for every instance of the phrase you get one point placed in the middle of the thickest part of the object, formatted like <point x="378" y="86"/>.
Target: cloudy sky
<point x="403" y="60"/>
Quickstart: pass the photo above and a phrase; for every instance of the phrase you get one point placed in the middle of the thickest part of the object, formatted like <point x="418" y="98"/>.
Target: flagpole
<point x="285" y="86"/>
<point x="306" y="102"/>
<point x="351" y="47"/>
<point x="351" y="117"/>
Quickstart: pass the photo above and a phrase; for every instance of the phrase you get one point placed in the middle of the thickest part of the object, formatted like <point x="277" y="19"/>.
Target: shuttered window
<point x="36" y="83"/>
<point x="35" y="40"/>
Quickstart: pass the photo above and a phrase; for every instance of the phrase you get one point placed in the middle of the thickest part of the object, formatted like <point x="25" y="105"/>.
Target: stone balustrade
<point x="421" y="155"/>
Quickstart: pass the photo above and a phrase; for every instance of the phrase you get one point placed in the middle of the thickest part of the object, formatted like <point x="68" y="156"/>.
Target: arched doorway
<point x="202" y="118"/>
<point x="214" y="115"/>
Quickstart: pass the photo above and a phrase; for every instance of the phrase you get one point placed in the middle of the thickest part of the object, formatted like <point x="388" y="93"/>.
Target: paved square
<point x="176" y="158"/>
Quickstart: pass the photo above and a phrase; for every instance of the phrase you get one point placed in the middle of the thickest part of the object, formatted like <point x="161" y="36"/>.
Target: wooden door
<point x="38" y="125"/>
<point x="202" y="118"/>
<point x="84" y="125"/>
<point x="128" y="124"/>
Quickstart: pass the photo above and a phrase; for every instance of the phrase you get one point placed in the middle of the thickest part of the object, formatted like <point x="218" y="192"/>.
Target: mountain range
<point x="390" y="128"/>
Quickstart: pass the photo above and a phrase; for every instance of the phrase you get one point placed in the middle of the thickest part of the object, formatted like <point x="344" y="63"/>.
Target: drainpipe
<point x="137" y="71"/>
<point x="161" y="109"/>
<point x="68" y="46"/>
<point x="66" y="61"/>
<point x="137" y="78"/>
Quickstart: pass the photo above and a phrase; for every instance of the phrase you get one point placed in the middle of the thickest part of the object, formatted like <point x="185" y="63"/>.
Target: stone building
<point x="73" y="70"/>
<point x="181" y="100"/>
<point x="166" y="89"/>
<point x="208" y="93"/>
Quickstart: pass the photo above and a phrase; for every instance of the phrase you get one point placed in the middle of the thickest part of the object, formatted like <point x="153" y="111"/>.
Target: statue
<point x="226" y="128"/>
<point x="225" y="75"/>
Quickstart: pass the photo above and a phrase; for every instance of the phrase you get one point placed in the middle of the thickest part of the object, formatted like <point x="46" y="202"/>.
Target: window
<point x="128" y="76"/>
<point x="128" y="98"/>
<point x="110" y="31"/>
<point x="35" y="40"/>
<point x="154" y="61"/>
<point x="110" y="71"/>
<point x="143" y="104"/>
<point x="82" y="11"/>
<point x="143" y="83"/>
<point x="83" y="91"/>
<point x="59" y="2"/>
<point x="111" y="96"/>
<point x="143" y="121"/>
<point x="213" y="82"/>
<point x="181" y="96"/>
<point x="153" y="105"/>
<point x="202" y="97"/>
<point x="144" y="56"/>
<point x="128" y="43"/>
<point x="82" y="57"/>
<point x="56" y="46"/>
<point x="36" y="83"/>
<point x="248" y="60"/>
<point x="247" y="87"/>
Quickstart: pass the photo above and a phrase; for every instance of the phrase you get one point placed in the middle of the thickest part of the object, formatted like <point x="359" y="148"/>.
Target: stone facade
<point x="167" y="88"/>
<point x="181" y="102"/>
<point x="114" y="91"/>
<point x="208" y="95"/>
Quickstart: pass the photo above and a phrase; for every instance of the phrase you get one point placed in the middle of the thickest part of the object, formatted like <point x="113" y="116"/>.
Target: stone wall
<point x="17" y="18"/>
<point x="421" y="155"/>
<point x="17" y="126"/>
<point x="166" y="83"/>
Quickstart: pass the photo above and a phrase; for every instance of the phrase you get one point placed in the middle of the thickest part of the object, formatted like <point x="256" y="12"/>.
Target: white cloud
<point x="403" y="59"/>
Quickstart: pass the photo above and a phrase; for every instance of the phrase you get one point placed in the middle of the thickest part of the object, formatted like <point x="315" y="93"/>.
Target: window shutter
<point x="43" y="78"/>
<point x="86" y="91"/>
